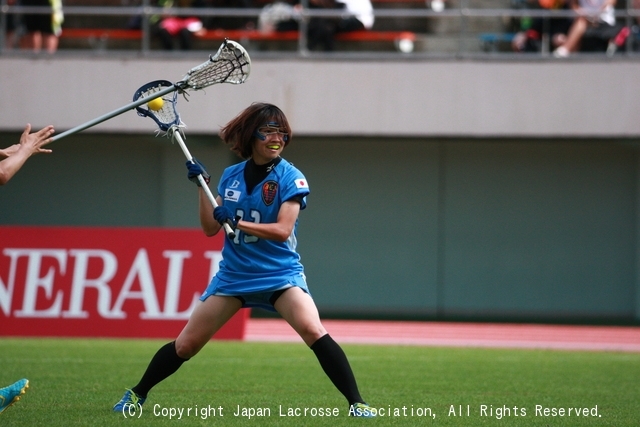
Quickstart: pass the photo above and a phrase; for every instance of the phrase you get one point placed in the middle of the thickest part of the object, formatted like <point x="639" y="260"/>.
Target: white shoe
<point x="561" y="52"/>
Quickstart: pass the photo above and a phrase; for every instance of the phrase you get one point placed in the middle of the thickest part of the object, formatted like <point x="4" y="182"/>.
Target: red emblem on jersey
<point x="269" y="190"/>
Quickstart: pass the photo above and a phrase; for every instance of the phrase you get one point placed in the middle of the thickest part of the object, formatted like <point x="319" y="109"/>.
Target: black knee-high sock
<point x="164" y="363"/>
<point x="335" y="364"/>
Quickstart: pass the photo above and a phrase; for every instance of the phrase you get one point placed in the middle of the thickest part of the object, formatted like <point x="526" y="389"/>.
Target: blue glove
<point x="223" y="215"/>
<point x="196" y="168"/>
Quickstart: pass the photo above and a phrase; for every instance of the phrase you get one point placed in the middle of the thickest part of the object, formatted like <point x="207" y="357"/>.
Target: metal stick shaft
<point x="176" y="135"/>
<point x="114" y="113"/>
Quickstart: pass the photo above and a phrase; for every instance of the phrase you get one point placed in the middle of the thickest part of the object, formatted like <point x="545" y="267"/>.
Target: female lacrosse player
<point x="260" y="198"/>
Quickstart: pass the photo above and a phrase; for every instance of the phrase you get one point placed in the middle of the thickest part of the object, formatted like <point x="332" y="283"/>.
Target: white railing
<point x="477" y="32"/>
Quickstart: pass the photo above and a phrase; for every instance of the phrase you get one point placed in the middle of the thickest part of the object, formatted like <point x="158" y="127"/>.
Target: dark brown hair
<point x="239" y="133"/>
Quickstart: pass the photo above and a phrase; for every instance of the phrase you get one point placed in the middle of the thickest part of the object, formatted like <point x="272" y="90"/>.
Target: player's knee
<point x="186" y="349"/>
<point x="311" y="333"/>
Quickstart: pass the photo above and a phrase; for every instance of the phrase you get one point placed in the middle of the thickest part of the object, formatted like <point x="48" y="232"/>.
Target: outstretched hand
<point x="34" y="141"/>
<point x="16" y="155"/>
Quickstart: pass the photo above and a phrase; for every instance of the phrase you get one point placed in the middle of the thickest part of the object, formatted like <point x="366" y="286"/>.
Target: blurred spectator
<point x="279" y="16"/>
<point x="43" y="30"/>
<point x="596" y="20"/>
<point x="635" y="28"/>
<point x="170" y="28"/>
<point x="550" y="30"/>
<point x="321" y="31"/>
<point x="232" y="22"/>
<point x="14" y="27"/>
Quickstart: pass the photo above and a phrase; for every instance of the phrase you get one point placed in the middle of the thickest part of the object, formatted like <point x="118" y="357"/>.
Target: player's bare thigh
<point x="299" y="310"/>
<point x="207" y="318"/>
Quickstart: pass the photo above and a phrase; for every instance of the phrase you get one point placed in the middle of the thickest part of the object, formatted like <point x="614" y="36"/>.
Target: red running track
<point x="443" y="334"/>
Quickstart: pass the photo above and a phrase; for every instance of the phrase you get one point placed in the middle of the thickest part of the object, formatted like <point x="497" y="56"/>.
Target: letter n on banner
<point x="106" y="282"/>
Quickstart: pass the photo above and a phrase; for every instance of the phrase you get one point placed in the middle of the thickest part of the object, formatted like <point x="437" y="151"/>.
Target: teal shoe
<point x="11" y="394"/>
<point x="129" y="399"/>
<point x="362" y="410"/>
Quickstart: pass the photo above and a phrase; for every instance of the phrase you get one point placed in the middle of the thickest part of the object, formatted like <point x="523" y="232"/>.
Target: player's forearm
<point x="11" y="165"/>
<point x="209" y="225"/>
<point x="276" y="231"/>
<point x="9" y="151"/>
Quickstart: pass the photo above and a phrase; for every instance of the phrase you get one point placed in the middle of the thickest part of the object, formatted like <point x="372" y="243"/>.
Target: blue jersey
<point x="250" y="264"/>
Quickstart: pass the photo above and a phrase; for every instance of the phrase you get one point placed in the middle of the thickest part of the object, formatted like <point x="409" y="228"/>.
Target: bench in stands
<point x="491" y="41"/>
<point x="239" y="35"/>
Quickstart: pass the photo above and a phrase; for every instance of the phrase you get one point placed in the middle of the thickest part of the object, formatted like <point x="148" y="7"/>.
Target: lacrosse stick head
<point x="231" y="64"/>
<point x="166" y="116"/>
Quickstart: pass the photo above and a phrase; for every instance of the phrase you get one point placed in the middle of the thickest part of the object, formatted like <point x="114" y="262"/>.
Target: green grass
<point x="75" y="382"/>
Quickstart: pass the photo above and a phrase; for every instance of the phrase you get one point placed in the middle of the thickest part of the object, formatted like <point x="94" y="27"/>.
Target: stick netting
<point x="231" y="64"/>
<point x="166" y="116"/>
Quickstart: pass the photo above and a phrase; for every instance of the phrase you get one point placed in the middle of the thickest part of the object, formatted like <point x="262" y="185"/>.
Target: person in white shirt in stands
<point x="361" y="10"/>
<point x="321" y="31"/>
<point x="592" y="14"/>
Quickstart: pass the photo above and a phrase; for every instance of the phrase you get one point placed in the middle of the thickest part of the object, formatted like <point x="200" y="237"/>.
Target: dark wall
<point x="108" y="180"/>
<point x="540" y="230"/>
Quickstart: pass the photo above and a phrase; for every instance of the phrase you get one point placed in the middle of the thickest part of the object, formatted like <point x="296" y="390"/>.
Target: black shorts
<point x="272" y="299"/>
<point x="40" y="22"/>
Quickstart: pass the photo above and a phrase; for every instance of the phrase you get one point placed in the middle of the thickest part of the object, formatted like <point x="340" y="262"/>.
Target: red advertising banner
<point x="105" y="282"/>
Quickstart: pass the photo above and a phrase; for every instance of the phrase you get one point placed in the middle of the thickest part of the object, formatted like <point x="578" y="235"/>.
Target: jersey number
<point x="247" y="238"/>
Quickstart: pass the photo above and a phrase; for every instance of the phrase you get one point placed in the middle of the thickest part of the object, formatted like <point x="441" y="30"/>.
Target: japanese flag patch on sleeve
<point x="301" y="183"/>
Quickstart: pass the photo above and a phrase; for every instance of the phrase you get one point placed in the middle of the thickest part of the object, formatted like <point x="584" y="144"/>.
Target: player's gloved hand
<point x="223" y="215"/>
<point x="196" y="168"/>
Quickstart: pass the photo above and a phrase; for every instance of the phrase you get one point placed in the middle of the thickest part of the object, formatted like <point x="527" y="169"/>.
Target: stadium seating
<point x="104" y="35"/>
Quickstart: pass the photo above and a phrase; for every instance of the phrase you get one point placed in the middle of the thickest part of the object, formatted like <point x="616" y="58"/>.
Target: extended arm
<point x="30" y="144"/>
<point x="279" y="230"/>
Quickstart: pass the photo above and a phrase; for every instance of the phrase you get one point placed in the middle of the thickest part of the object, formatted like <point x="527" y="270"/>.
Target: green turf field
<point x="75" y="382"/>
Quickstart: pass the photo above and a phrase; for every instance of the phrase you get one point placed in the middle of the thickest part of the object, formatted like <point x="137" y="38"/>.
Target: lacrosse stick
<point x="168" y="121"/>
<point x="231" y="64"/>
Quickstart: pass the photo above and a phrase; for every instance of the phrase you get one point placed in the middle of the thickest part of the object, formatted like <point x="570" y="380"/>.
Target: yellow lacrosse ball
<point x="155" y="104"/>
